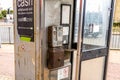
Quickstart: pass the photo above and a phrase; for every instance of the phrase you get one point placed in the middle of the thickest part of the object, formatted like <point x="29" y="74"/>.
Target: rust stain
<point x="21" y="48"/>
<point x="24" y="61"/>
<point x="19" y="63"/>
<point x="33" y="61"/>
<point x="18" y="54"/>
<point x="38" y="77"/>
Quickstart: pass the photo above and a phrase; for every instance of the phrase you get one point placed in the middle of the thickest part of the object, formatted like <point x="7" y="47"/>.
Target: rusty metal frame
<point x="77" y="55"/>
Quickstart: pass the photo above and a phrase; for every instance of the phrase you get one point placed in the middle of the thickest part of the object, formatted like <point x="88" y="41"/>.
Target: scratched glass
<point x="96" y="24"/>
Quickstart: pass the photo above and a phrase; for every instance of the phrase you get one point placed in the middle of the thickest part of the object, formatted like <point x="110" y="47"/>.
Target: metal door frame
<point x="80" y="39"/>
<point x="113" y="2"/>
<point x="76" y="57"/>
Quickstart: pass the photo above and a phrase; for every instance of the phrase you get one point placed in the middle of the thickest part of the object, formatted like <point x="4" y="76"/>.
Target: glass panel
<point x="77" y="13"/>
<point x="96" y="22"/>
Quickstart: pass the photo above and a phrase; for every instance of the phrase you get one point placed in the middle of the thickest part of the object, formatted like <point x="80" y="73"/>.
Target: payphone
<point x="55" y="36"/>
<point x="55" y="50"/>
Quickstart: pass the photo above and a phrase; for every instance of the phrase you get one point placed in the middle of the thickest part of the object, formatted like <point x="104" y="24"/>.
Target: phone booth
<point x="62" y="39"/>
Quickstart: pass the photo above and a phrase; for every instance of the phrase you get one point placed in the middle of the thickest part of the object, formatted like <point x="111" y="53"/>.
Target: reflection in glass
<point x="77" y="13"/>
<point x="96" y="23"/>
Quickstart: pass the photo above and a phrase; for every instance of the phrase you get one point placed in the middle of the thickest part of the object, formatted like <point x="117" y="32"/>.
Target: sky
<point x="5" y="4"/>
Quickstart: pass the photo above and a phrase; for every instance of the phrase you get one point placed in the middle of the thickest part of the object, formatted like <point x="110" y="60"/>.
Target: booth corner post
<point x="27" y="39"/>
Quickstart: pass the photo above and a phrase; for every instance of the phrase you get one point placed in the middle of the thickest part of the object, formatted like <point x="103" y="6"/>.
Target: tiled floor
<point x="7" y="63"/>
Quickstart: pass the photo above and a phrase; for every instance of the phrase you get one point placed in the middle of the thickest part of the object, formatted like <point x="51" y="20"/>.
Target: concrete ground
<point x="7" y="63"/>
<point x="114" y="65"/>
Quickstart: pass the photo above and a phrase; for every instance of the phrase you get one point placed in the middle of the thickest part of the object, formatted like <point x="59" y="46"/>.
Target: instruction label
<point x="63" y="73"/>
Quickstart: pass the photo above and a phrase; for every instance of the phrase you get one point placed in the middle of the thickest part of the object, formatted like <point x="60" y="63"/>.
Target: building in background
<point x="9" y="18"/>
<point x="117" y="11"/>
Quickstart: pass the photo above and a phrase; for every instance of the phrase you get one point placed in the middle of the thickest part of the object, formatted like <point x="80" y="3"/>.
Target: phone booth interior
<point x="58" y="17"/>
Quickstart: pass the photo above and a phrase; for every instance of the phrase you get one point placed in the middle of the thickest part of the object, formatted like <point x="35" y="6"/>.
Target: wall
<point x="52" y="11"/>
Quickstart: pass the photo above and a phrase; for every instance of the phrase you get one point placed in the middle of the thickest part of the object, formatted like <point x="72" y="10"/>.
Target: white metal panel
<point x="93" y="69"/>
